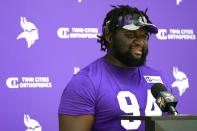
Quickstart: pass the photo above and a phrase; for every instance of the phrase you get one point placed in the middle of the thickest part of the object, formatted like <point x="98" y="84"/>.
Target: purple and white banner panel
<point x="45" y="42"/>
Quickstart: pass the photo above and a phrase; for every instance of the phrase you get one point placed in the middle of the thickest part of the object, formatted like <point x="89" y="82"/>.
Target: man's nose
<point x="139" y="41"/>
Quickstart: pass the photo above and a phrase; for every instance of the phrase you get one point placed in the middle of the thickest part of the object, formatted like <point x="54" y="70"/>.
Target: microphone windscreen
<point x="156" y="88"/>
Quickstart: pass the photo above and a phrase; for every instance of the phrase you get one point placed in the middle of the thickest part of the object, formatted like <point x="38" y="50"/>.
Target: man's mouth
<point x="137" y="51"/>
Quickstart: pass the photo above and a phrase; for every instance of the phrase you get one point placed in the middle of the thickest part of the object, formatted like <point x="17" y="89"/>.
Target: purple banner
<point x="43" y="43"/>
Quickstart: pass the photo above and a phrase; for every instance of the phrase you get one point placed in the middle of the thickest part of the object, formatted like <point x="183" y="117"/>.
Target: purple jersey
<point x="108" y="91"/>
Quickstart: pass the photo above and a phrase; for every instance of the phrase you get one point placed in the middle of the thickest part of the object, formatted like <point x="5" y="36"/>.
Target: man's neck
<point x="111" y="59"/>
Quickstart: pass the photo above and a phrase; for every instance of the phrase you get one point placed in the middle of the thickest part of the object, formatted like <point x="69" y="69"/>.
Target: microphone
<point x="164" y="99"/>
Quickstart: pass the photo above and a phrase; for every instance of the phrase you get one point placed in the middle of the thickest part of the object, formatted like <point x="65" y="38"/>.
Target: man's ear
<point x="108" y="36"/>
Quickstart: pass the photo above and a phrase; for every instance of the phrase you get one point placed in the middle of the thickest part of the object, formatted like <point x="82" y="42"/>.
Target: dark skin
<point x="126" y="37"/>
<point x="137" y="38"/>
<point x="76" y="123"/>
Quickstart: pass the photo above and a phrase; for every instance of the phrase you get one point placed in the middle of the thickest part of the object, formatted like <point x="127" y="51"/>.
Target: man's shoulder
<point x="93" y="69"/>
<point x="91" y="74"/>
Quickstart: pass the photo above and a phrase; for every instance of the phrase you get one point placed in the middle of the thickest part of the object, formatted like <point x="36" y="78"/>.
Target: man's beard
<point x="127" y="57"/>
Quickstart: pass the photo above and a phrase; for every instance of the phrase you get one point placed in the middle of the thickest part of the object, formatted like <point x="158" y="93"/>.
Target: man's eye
<point x="145" y="37"/>
<point x="130" y="36"/>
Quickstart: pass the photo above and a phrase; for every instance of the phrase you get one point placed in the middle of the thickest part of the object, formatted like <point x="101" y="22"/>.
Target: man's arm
<point x="76" y="123"/>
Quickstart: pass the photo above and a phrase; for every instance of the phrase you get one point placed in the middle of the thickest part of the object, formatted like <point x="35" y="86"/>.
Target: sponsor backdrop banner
<point x="45" y="42"/>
